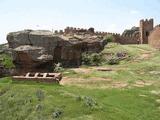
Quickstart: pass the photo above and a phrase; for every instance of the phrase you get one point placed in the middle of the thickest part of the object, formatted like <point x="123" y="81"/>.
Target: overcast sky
<point x="103" y="15"/>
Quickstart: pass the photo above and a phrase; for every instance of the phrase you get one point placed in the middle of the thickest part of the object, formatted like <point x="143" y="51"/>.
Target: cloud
<point x="134" y="12"/>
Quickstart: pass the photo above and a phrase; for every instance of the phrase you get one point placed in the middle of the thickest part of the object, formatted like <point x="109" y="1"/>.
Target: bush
<point x="108" y="38"/>
<point x="88" y="101"/>
<point x="7" y="61"/>
<point x="92" y="59"/>
<point x="113" y="61"/>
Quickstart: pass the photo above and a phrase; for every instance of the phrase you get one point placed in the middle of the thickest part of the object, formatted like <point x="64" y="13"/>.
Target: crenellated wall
<point x="135" y="35"/>
<point x="72" y="30"/>
<point x="126" y="39"/>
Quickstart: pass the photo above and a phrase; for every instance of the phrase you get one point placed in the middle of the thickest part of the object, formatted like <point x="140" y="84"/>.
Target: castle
<point x="135" y="35"/>
<point x="37" y="50"/>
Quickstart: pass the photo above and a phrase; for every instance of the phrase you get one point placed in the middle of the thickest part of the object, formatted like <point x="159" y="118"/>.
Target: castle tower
<point x="146" y="26"/>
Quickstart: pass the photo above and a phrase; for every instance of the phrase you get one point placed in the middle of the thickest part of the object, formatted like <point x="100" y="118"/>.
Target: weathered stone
<point x="154" y="38"/>
<point x="28" y="58"/>
<point x="29" y="47"/>
<point x="5" y="71"/>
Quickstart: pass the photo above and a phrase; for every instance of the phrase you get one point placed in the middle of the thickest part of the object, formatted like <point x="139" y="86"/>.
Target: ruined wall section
<point x="126" y="40"/>
<point x="154" y="38"/>
<point x="118" y="38"/>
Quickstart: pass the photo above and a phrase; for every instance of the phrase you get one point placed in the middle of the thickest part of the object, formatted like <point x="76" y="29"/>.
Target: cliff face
<point x="36" y="50"/>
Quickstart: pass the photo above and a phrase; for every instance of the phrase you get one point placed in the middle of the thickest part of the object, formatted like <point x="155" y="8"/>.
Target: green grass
<point x="89" y="100"/>
<point x="20" y="101"/>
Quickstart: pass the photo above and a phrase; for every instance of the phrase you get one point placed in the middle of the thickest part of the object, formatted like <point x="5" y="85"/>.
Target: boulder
<point x="31" y="58"/>
<point x="34" y="49"/>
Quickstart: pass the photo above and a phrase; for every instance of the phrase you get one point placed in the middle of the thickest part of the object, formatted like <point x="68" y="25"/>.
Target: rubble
<point x="39" y="77"/>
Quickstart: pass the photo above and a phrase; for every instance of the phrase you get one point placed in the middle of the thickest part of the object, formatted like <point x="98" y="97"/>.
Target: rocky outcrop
<point x="34" y="49"/>
<point x="4" y="49"/>
<point x="2" y="71"/>
<point x="5" y="71"/>
<point x="31" y="58"/>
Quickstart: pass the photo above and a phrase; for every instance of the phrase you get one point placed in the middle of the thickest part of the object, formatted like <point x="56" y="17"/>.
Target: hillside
<point x="129" y="90"/>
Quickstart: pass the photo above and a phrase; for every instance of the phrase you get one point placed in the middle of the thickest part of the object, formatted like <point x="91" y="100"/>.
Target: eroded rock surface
<point x="31" y="58"/>
<point x="34" y="49"/>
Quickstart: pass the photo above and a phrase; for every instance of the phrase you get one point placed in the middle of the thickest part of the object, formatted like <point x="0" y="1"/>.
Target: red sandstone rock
<point x="31" y="48"/>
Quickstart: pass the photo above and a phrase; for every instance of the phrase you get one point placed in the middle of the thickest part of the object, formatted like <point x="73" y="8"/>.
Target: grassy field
<point x="129" y="91"/>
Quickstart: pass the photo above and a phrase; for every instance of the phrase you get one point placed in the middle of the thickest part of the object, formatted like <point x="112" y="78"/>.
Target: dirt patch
<point x="142" y="83"/>
<point x="82" y="70"/>
<point x="146" y="55"/>
<point x="76" y="81"/>
<point x="119" y="85"/>
<point x="93" y="82"/>
<point x="104" y="69"/>
<point x="154" y="72"/>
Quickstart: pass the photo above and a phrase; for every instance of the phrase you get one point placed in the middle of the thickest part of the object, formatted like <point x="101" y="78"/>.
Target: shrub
<point x="113" y="61"/>
<point x="108" y="38"/>
<point x="92" y="59"/>
<point x="7" y="61"/>
<point x="90" y="102"/>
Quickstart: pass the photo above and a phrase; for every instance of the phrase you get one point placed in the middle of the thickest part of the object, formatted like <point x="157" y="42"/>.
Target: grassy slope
<point x="33" y="101"/>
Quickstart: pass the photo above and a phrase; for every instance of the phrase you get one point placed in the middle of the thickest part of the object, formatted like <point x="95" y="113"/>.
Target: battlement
<point x="59" y="32"/>
<point x="107" y="33"/>
<point x="78" y="30"/>
<point x="74" y="30"/>
<point x="146" y="21"/>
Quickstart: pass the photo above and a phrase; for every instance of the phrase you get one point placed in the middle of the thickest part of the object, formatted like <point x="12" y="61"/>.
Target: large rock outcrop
<point x="31" y="58"/>
<point x="34" y="49"/>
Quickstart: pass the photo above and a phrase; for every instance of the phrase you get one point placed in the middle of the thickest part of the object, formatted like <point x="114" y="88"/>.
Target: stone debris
<point x="104" y="69"/>
<point x="40" y="77"/>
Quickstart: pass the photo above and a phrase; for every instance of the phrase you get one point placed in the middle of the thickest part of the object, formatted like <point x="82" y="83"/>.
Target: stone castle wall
<point x="154" y="38"/>
<point x="146" y="26"/>
<point x="126" y="40"/>
<point x="135" y="35"/>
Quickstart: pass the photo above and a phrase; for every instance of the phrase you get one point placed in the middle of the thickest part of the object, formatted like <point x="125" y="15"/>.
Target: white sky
<point x="103" y="15"/>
